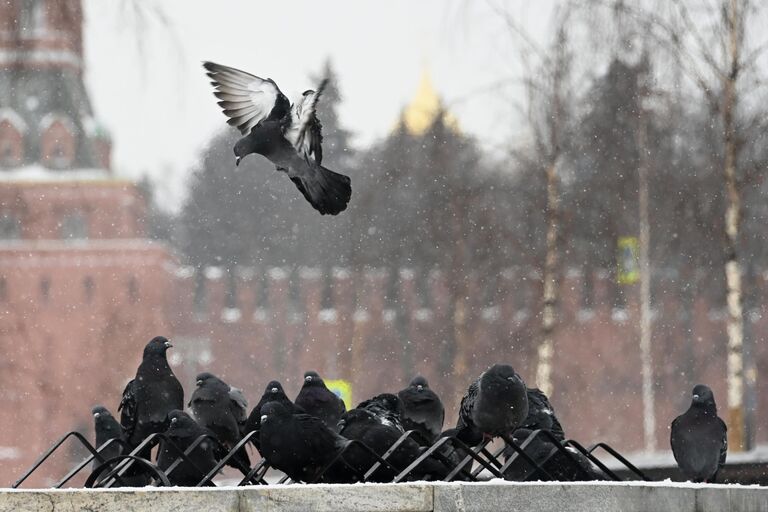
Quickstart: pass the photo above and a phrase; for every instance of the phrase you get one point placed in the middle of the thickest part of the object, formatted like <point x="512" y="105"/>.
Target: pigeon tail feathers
<point x="327" y="191"/>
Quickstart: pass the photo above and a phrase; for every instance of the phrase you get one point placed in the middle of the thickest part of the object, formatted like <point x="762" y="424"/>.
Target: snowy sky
<point x="148" y="88"/>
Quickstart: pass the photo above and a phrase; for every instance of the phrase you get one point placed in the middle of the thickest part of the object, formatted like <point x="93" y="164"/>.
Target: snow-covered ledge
<point x="416" y="497"/>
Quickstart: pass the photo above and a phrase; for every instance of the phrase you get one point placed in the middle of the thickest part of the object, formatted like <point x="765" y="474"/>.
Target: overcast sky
<point x="148" y="88"/>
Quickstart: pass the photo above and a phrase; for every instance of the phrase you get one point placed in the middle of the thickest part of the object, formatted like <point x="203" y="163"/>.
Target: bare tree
<point x="713" y="43"/>
<point x="547" y="89"/>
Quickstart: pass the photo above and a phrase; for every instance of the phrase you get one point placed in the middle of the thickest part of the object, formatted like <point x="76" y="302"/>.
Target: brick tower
<point x="81" y="286"/>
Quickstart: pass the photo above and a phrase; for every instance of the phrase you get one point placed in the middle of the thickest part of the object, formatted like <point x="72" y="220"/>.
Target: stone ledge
<point x="415" y="497"/>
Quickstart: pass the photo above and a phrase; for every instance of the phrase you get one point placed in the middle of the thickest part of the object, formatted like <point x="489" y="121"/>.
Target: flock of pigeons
<point x="302" y="437"/>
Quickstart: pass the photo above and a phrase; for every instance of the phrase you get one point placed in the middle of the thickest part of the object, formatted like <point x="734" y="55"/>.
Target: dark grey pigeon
<point x="106" y="428"/>
<point x="541" y="414"/>
<point x="319" y="401"/>
<point x="362" y="425"/>
<point x="494" y="406"/>
<point x="699" y="438"/>
<point x="151" y="395"/>
<point x="386" y="408"/>
<point x="544" y="452"/>
<point x="272" y="393"/>
<point x="290" y="136"/>
<point x="213" y="408"/>
<point x="300" y="445"/>
<point x="183" y="430"/>
<point x="422" y="409"/>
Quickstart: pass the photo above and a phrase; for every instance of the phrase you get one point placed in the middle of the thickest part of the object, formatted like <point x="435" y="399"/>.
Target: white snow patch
<point x="9" y="453"/>
<point x="260" y="315"/>
<point x="407" y="274"/>
<point x="310" y="273"/>
<point x="389" y="315"/>
<point x="10" y="115"/>
<point x="361" y="316"/>
<point x="491" y="314"/>
<point x="277" y="273"/>
<point x="341" y="273"/>
<point x="585" y="315"/>
<point x="619" y="315"/>
<point x="213" y="273"/>
<point x="423" y="315"/>
<point x="184" y="271"/>
<point x="39" y="173"/>
<point x="328" y="316"/>
<point x="230" y="315"/>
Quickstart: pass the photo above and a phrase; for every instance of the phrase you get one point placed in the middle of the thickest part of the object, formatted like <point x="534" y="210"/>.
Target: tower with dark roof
<point x="82" y="288"/>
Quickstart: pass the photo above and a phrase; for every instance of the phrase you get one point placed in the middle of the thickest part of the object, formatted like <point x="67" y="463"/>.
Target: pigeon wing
<point x="246" y="99"/>
<point x="724" y="446"/>
<point x="305" y="129"/>
<point x="238" y="405"/>
<point x="127" y="409"/>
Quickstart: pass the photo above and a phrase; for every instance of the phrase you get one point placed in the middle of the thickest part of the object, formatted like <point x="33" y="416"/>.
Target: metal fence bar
<point x="620" y="458"/>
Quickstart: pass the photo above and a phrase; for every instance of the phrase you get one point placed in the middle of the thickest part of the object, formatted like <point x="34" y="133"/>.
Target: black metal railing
<point x="564" y="461"/>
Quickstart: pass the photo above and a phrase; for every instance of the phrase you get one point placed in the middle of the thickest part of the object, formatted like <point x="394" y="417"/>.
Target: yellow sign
<point x="343" y="390"/>
<point x="628" y="260"/>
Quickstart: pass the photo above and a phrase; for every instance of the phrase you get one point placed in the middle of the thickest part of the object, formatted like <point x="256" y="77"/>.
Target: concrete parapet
<point x="415" y="497"/>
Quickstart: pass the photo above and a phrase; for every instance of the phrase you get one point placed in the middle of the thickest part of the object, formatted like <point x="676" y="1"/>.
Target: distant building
<point x="81" y="286"/>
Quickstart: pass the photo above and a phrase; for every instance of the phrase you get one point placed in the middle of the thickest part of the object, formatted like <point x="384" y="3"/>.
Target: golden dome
<point x="419" y="115"/>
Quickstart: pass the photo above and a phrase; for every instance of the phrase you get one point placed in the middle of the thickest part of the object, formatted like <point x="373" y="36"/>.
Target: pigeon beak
<point x="174" y="420"/>
<point x="308" y="378"/>
<point x="199" y="383"/>
<point x="96" y="414"/>
<point x="274" y="390"/>
<point x="168" y="344"/>
<point x="237" y="160"/>
<point x="419" y="387"/>
<point x="263" y="418"/>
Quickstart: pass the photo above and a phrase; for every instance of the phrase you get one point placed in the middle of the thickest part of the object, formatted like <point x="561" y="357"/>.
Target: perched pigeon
<point x="213" y="408"/>
<point x="541" y="414"/>
<point x="576" y="468"/>
<point x="699" y="438"/>
<point x="288" y="135"/>
<point x="300" y="445"/>
<point x="494" y="406"/>
<point x="361" y="425"/>
<point x="106" y="427"/>
<point x="423" y="410"/>
<point x="386" y="408"/>
<point x="151" y="395"/>
<point x="319" y="401"/>
<point x="273" y="393"/>
<point x="183" y="431"/>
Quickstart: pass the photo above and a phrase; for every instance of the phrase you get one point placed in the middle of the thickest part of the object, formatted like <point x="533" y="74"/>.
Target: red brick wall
<point x="11" y="144"/>
<point x="112" y="208"/>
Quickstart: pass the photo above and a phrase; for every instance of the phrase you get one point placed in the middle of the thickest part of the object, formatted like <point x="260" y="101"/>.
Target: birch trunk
<point x="549" y="311"/>
<point x="646" y="358"/>
<point x="735" y="327"/>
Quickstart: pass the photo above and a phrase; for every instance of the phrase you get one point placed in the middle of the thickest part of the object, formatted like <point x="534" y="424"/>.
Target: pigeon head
<point x="179" y="421"/>
<point x="204" y="377"/>
<point x="272" y="410"/>
<point x="703" y="396"/>
<point x="100" y="411"/>
<point x="157" y="346"/>
<point x="273" y="388"/>
<point x="311" y="378"/>
<point x="418" y="383"/>
<point x="499" y="376"/>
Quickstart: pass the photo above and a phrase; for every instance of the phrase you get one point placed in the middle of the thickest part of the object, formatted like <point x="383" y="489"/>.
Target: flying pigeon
<point x="698" y="438"/>
<point x="290" y="136"/>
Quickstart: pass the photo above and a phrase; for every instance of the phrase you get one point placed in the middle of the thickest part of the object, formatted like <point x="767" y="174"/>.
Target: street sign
<point x="628" y="260"/>
<point x="343" y="390"/>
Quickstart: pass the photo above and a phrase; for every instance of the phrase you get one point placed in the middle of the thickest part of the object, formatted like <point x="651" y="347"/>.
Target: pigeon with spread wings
<point x="290" y="136"/>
